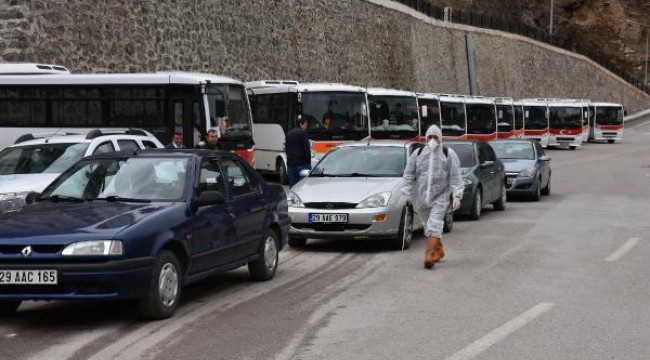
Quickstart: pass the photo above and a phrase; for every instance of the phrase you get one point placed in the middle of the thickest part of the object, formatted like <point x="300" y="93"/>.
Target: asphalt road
<point x="563" y="278"/>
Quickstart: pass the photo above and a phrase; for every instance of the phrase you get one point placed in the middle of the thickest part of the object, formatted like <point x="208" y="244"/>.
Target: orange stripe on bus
<point x="322" y="147"/>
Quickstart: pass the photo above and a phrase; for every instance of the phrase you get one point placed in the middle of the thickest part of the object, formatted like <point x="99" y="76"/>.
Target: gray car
<point x="354" y="192"/>
<point x="528" y="168"/>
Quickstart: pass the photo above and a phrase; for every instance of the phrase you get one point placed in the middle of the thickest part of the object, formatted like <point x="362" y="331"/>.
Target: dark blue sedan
<point x="528" y="168"/>
<point x="141" y="225"/>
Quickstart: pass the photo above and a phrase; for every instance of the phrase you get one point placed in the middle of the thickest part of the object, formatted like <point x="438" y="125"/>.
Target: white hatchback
<point x="34" y="161"/>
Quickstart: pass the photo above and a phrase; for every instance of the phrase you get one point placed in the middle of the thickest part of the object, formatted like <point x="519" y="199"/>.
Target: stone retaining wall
<point x="360" y="42"/>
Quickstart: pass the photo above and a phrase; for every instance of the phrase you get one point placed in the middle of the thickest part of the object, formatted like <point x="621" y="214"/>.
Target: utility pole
<point x="647" y="42"/>
<point x="550" y="30"/>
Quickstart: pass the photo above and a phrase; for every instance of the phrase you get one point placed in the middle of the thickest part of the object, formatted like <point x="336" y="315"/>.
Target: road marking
<point x="484" y="343"/>
<point x="618" y="254"/>
<point x="639" y="125"/>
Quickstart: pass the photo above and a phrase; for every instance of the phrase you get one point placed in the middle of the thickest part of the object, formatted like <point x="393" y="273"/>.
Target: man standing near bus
<point x="211" y="141"/>
<point x="298" y="151"/>
<point x="177" y="141"/>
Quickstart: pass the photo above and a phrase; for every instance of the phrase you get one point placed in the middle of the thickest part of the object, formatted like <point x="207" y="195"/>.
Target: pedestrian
<point x="298" y="151"/>
<point x="211" y="141"/>
<point x="176" y="141"/>
<point x="431" y="178"/>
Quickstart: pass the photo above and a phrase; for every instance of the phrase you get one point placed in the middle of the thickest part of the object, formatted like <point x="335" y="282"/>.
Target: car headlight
<point x="528" y="172"/>
<point x="12" y="201"/>
<point x="467" y="181"/>
<point x="377" y="200"/>
<point x="294" y="201"/>
<point x="94" y="248"/>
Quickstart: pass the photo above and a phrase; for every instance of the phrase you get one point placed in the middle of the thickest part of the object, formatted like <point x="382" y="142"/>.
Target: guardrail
<point x="483" y="21"/>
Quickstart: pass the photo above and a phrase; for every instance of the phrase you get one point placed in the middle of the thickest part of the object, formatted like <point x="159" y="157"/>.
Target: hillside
<point x="611" y="27"/>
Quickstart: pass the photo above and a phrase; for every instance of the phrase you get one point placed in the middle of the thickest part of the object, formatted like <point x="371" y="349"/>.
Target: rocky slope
<point x="617" y="29"/>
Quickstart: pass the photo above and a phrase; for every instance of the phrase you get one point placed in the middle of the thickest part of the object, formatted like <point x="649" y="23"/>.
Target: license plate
<point x="328" y="218"/>
<point x="28" y="277"/>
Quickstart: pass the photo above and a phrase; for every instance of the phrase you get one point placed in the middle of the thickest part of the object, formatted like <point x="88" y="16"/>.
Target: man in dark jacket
<point x="211" y="141"/>
<point x="298" y="151"/>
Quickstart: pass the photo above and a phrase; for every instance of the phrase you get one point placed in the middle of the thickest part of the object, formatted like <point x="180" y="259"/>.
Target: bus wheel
<point x="611" y="141"/>
<point x="282" y="172"/>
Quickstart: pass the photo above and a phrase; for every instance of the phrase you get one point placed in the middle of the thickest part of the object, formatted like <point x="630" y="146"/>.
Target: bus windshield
<point x="481" y="119"/>
<point x="565" y="117"/>
<point x="228" y="110"/>
<point x="335" y="115"/>
<point x="432" y="115"/>
<point x="505" y="116"/>
<point x="535" y="118"/>
<point x="609" y="115"/>
<point x="453" y="119"/>
<point x="393" y="117"/>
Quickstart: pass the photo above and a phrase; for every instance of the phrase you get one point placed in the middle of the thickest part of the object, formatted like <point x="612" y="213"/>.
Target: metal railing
<point x="483" y="21"/>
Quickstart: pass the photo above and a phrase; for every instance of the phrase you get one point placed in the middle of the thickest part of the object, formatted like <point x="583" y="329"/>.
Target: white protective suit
<point x="430" y="180"/>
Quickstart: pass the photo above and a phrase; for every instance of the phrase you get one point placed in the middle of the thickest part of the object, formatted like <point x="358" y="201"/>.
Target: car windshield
<point x="513" y="150"/>
<point x="465" y="153"/>
<point x="120" y="179"/>
<point x="42" y="158"/>
<point x="565" y="117"/>
<point x="351" y="161"/>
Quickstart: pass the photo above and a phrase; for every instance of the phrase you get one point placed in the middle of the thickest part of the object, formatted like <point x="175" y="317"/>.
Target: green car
<point x="484" y="177"/>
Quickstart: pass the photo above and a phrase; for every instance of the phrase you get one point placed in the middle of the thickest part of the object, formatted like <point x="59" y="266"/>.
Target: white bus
<point x="393" y="114"/>
<point x="161" y="103"/>
<point x="335" y="113"/>
<point x="566" y="122"/>
<point x="31" y="69"/>
<point x="606" y="122"/>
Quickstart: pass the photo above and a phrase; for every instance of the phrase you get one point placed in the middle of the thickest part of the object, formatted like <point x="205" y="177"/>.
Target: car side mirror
<point x="303" y="173"/>
<point x="31" y="197"/>
<point x="487" y="163"/>
<point x="210" y="198"/>
<point x="544" y="158"/>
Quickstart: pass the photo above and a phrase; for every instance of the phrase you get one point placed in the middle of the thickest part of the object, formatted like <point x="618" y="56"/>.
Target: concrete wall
<point x="365" y="42"/>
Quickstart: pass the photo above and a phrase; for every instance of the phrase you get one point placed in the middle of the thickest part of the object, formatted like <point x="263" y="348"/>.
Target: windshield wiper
<point x="119" y="198"/>
<point x="61" y="198"/>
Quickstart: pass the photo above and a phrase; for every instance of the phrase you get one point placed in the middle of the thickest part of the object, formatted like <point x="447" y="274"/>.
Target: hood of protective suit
<point x="434" y="130"/>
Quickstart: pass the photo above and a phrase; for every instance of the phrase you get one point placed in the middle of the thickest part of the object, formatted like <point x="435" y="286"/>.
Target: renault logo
<point x="329" y="206"/>
<point x="26" y="251"/>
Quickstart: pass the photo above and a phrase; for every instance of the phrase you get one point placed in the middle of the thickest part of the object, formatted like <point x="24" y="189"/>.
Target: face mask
<point x="433" y="144"/>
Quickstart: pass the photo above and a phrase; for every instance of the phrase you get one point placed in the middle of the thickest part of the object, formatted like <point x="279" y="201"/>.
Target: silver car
<point x="354" y="192"/>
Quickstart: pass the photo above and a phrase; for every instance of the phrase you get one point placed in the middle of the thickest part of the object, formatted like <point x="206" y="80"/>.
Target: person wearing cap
<point x="431" y="177"/>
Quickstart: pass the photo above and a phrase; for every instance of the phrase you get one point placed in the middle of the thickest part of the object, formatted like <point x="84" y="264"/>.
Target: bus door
<point x="186" y="115"/>
<point x="592" y="122"/>
<point x="519" y="121"/>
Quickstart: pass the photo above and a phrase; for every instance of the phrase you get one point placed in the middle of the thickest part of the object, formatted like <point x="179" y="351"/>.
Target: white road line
<point x="484" y="343"/>
<point x="618" y="254"/>
<point x="639" y="125"/>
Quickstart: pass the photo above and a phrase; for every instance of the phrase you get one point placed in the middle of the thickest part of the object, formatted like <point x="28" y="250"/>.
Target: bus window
<point x="432" y="114"/>
<point x="536" y="119"/>
<point x="453" y="119"/>
<point x="505" y="118"/>
<point x="277" y="109"/>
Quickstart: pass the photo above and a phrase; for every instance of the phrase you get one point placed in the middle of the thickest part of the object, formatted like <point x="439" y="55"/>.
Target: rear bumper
<point x="102" y="281"/>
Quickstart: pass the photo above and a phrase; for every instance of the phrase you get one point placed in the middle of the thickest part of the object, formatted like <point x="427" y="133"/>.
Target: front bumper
<point x="360" y="225"/>
<point x="520" y="185"/>
<point x="115" y="279"/>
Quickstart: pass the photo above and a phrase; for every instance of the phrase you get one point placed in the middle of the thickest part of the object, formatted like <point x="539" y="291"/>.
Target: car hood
<point x="48" y="222"/>
<point x="336" y="189"/>
<point x="26" y="182"/>
<point x="516" y="165"/>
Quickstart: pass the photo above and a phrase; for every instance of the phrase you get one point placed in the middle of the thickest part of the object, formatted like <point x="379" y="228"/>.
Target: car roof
<point x="153" y="153"/>
<point x="514" y="140"/>
<point x="78" y="139"/>
<point x="382" y="143"/>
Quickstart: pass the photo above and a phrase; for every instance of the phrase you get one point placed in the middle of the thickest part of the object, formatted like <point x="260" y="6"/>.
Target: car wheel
<point x="500" y="204"/>
<point x="547" y="189"/>
<point x="537" y="190"/>
<point x="448" y="224"/>
<point x="164" y="290"/>
<point x="477" y="205"/>
<point x="265" y="266"/>
<point x="282" y="172"/>
<point x="405" y="233"/>
<point x="572" y="147"/>
<point x="611" y="141"/>
<point x="9" y="307"/>
<point x="297" y="242"/>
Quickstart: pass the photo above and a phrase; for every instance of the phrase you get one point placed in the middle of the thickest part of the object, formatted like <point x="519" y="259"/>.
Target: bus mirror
<point x="424" y="111"/>
<point x="500" y="114"/>
<point x="364" y="110"/>
<point x="527" y="114"/>
<point x="219" y="108"/>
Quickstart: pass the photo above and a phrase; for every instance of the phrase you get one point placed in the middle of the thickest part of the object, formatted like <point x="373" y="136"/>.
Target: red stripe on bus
<point x="610" y="127"/>
<point x="482" y="137"/>
<point x="321" y="147"/>
<point x="535" y="132"/>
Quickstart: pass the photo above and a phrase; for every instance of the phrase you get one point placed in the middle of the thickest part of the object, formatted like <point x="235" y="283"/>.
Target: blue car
<point x="141" y="225"/>
<point x="528" y="168"/>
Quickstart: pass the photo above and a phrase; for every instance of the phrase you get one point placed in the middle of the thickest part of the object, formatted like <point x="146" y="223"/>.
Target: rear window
<point x="465" y="153"/>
